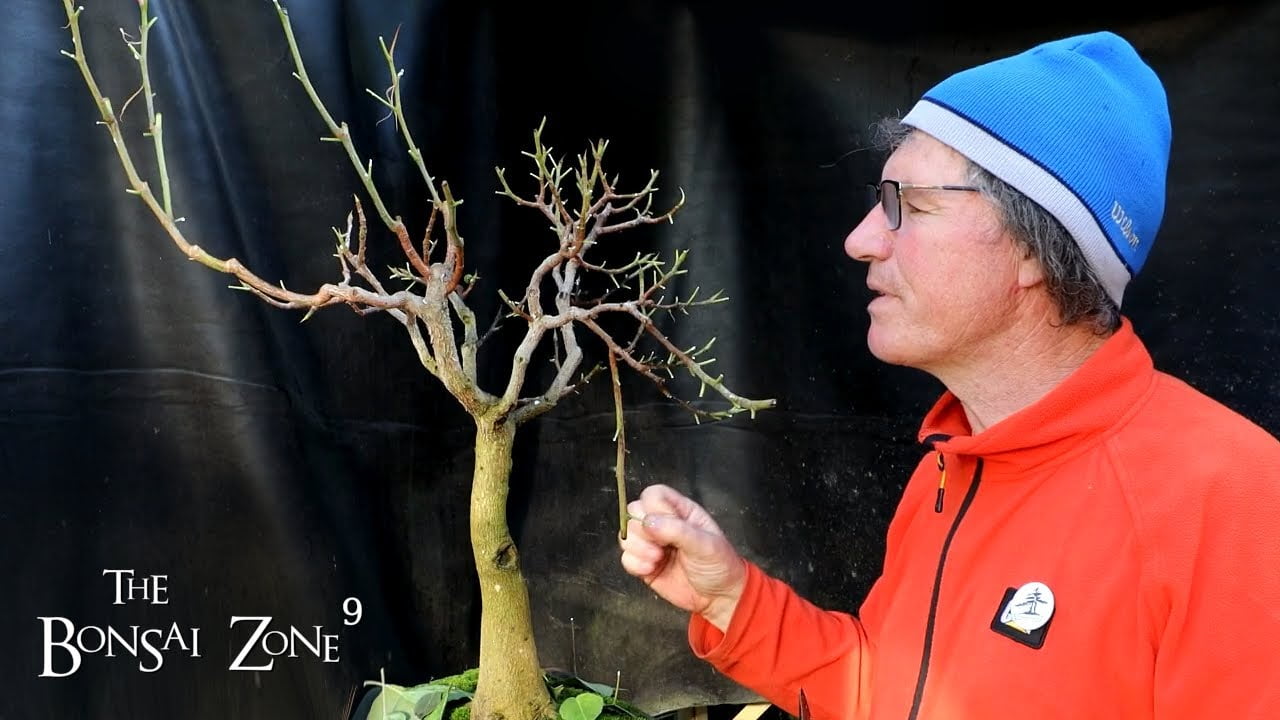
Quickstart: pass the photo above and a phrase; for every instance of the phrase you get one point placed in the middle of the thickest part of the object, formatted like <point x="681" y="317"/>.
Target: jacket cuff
<point x="714" y="646"/>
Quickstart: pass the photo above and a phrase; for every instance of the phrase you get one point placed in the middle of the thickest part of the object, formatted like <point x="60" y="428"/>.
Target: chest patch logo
<point x="1024" y="614"/>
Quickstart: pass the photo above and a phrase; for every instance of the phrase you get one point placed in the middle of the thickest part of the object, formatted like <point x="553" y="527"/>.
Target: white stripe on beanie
<point x="1029" y="178"/>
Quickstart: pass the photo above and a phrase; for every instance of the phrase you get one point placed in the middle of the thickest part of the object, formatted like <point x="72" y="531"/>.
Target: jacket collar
<point x="1072" y="417"/>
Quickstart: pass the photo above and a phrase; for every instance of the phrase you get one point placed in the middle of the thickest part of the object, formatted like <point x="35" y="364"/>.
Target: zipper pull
<point x="942" y="482"/>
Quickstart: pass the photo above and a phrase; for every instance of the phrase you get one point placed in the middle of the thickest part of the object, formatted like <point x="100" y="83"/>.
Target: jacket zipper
<point x="932" y="441"/>
<point x="937" y="585"/>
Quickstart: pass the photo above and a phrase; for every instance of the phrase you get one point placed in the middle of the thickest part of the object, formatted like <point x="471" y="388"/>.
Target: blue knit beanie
<point x="1080" y="126"/>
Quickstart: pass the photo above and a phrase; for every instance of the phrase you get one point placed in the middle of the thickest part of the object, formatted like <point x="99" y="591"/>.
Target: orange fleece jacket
<point x="1148" y="510"/>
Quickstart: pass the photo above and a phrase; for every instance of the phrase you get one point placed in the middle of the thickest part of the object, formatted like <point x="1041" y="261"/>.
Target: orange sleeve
<point x="1219" y="588"/>
<point x="779" y="643"/>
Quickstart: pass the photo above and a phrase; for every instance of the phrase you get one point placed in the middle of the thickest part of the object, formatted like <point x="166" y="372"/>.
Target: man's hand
<point x="679" y="551"/>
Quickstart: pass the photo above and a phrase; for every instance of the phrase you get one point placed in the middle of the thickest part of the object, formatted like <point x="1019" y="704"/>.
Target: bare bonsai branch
<point x="154" y="120"/>
<point x="600" y="211"/>
<point x="434" y="297"/>
<point x="446" y="205"/>
<point x="646" y="371"/>
<point x="420" y="344"/>
<point x="453" y="252"/>
<point x="620" y="440"/>
<point x="277" y="295"/>
<point x="452" y="370"/>
<point x="494" y="325"/>
<point x="428" y="242"/>
<point x="338" y="132"/>
<point x="397" y="108"/>
<point x="471" y="340"/>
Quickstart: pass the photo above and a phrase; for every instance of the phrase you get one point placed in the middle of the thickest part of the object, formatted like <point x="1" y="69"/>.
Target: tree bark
<point x="511" y="685"/>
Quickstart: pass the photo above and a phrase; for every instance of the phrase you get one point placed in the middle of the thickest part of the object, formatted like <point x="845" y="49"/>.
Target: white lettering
<point x="150" y="647"/>
<point x="64" y="643"/>
<point x="152" y="589"/>
<point x="282" y="643"/>
<point x="145" y="645"/>
<point x="237" y="664"/>
<point x="1125" y="223"/>
<point x="102" y="640"/>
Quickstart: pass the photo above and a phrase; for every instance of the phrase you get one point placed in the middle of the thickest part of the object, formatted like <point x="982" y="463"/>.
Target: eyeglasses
<point x="888" y="194"/>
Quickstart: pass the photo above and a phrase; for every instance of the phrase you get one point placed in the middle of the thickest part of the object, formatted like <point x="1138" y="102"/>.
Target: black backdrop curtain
<point x="157" y="421"/>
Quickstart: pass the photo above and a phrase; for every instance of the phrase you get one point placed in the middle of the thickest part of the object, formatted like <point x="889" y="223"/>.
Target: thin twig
<point x="155" y="127"/>
<point x="620" y="438"/>
<point x="338" y="132"/>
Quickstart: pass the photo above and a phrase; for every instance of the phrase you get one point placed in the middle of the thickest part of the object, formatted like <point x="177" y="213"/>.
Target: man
<point x="1087" y="537"/>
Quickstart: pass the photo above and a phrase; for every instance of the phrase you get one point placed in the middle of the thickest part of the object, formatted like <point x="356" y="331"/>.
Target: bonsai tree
<point x="584" y="208"/>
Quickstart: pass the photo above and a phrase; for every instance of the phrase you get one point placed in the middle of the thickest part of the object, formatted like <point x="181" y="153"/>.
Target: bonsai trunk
<point x="511" y="685"/>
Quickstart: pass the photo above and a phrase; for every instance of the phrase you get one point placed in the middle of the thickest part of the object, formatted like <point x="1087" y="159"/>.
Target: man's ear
<point x="1030" y="271"/>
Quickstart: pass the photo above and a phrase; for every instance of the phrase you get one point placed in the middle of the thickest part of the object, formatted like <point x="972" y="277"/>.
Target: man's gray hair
<point x="1073" y="285"/>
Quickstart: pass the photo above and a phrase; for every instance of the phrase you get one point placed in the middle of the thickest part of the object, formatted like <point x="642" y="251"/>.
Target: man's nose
<point x="870" y="239"/>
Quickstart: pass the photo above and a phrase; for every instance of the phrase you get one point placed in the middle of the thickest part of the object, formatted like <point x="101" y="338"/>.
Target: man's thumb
<point x="672" y="530"/>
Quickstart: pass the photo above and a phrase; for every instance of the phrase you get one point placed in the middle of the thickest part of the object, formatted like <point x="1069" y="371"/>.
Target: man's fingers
<point x="649" y="540"/>
<point x="642" y="567"/>
<point x="639" y="543"/>
<point x="675" y="531"/>
<point x="640" y="555"/>
<point x="654" y="498"/>
<point x="635" y="509"/>
<point x="665" y="500"/>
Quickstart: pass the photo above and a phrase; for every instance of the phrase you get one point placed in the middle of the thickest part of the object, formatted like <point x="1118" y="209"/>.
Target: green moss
<point x="613" y="709"/>
<point x="619" y="709"/>
<point x="465" y="681"/>
<point x="622" y="710"/>
<point x="564" y="692"/>
<point x="561" y="690"/>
